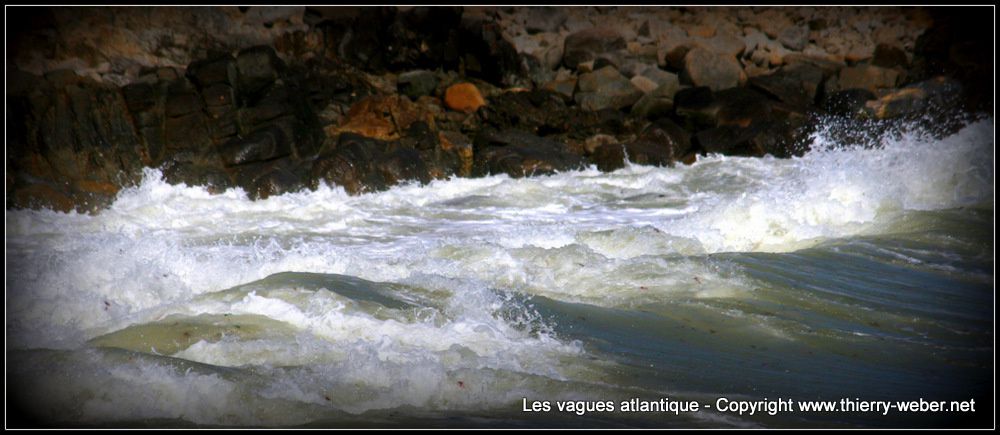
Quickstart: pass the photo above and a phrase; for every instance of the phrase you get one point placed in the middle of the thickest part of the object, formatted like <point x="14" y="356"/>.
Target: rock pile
<point x="278" y="99"/>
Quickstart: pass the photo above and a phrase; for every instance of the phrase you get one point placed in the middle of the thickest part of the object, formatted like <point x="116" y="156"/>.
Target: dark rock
<point x="868" y="77"/>
<point x="544" y="19"/>
<point x="588" y="44"/>
<point x="889" y="56"/>
<point x="606" y="88"/>
<point x="263" y="179"/>
<point x="696" y="106"/>
<point x="257" y="69"/>
<point x="488" y="55"/>
<point x="797" y="84"/>
<point x="519" y="154"/>
<point x="538" y="111"/>
<point x="780" y="139"/>
<point x="182" y="100"/>
<point x="660" y="144"/>
<point x="847" y="103"/>
<point x="69" y="142"/>
<point x="349" y="164"/>
<point x="959" y="45"/>
<point x="213" y="70"/>
<point x="938" y="96"/>
<point x="188" y="132"/>
<point x="658" y="103"/>
<point x="400" y="163"/>
<point x="415" y="84"/>
<point x="563" y="86"/>
<point x="660" y="76"/>
<point x="267" y="143"/>
<point x="361" y="164"/>
<point x="197" y="174"/>
<point x="453" y="155"/>
<point x="794" y="37"/>
<point x="604" y="61"/>
<point x="218" y="95"/>
<point x="705" y="68"/>
<point x="702" y="109"/>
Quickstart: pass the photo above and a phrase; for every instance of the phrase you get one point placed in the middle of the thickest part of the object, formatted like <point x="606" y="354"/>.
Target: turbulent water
<point x="851" y="272"/>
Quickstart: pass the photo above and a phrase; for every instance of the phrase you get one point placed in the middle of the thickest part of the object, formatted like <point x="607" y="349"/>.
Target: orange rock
<point x="383" y="118"/>
<point x="463" y="97"/>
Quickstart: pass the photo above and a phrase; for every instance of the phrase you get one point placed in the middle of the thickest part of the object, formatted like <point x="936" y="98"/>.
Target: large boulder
<point x="519" y="154"/>
<point x="417" y="83"/>
<point x="463" y="97"/>
<point x="660" y="144"/>
<point x="379" y="117"/>
<point x="588" y="44"/>
<point x="937" y="96"/>
<point x="796" y="84"/>
<point x="715" y="71"/>
<point x="606" y="88"/>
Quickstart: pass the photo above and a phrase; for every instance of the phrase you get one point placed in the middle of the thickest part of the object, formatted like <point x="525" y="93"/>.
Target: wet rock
<point x="380" y="117"/>
<point x="268" y="143"/>
<point x="539" y="112"/>
<point x="705" y="68"/>
<point x="212" y="177"/>
<point x="796" y="84"/>
<point x="596" y="141"/>
<point x="868" y="77"/>
<point x="586" y="45"/>
<point x="263" y="179"/>
<point x="696" y="106"/>
<point x="606" y="88"/>
<point x="847" y="103"/>
<point x="660" y="144"/>
<point x="41" y="196"/>
<point x="350" y="164"/>
<point x="463" y="97"/>
<point x="257" y="69"/>
<point x="182" y="100"/>
<point x="520" y="154"/>
<point x="937" y="96"/>
<point x="780" y="139"/>
<point x="454" y="155"/>
<point x="362" y="164"/>
<point x="219" y="69"/>
<point x="71" y="141"/>
<point x="889" y="56"/>
<point x="659" y="102"/>
<point x="415" y="84"/>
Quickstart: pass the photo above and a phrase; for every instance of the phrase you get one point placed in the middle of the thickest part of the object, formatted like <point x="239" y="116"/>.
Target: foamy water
<point x="484" y="286"/>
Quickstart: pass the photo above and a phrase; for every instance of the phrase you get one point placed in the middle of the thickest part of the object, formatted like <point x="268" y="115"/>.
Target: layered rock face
<point x="277" y="99"/>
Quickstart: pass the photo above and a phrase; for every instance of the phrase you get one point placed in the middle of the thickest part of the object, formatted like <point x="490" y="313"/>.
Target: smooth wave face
<point x="849" y="272"/>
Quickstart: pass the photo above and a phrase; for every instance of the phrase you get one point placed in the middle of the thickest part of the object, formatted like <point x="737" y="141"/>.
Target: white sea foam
<point x="638" y="235"/>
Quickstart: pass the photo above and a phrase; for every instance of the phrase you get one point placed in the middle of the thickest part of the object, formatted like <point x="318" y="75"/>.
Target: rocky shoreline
<point x="278" y="99"/>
